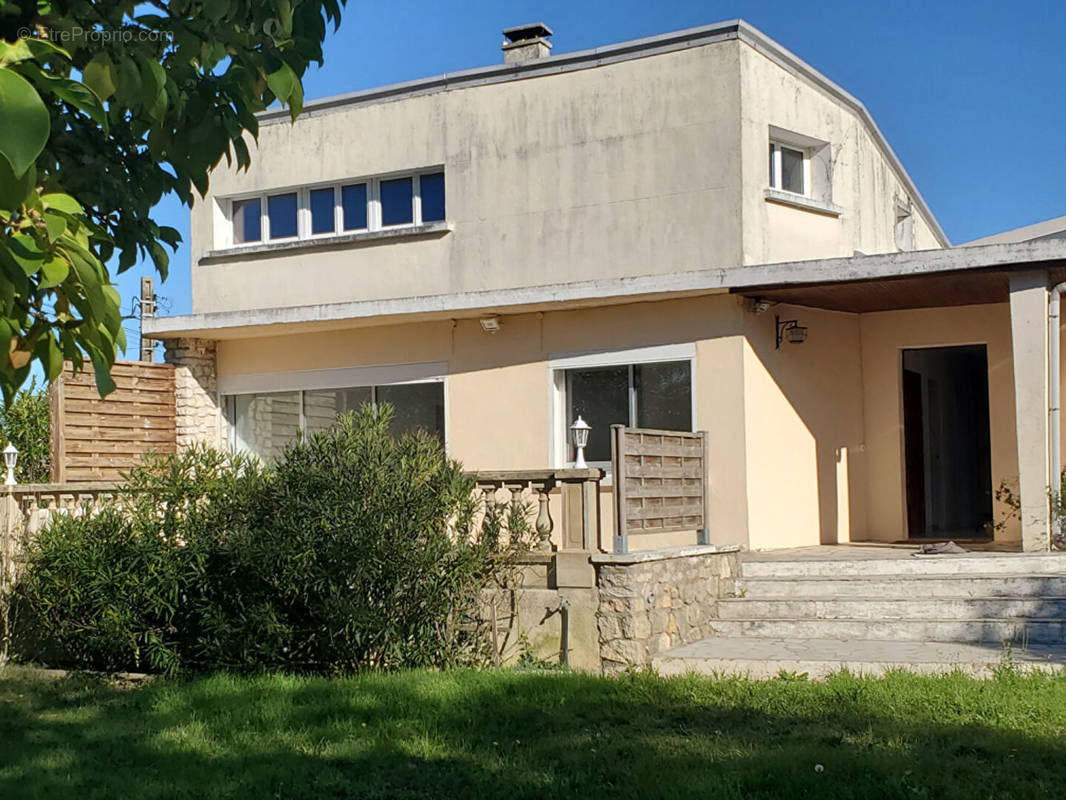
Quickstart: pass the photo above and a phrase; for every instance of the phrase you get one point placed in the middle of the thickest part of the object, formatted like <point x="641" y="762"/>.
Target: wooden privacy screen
<point x="96" y="439"/>
<point x="660" y="483"/>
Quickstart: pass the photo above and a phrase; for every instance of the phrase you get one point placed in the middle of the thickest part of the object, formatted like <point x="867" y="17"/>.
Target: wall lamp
<point x="789" y="329"/>
<point x="490" y="324"/>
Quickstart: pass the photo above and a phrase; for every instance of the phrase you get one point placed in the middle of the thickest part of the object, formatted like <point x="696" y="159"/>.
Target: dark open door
<point x="947" y="455"/>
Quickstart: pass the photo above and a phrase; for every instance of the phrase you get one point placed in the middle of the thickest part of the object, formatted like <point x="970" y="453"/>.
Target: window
<point x="323" y="215"/>
<point x="650" y="395"/>
<point x="367" y="205"/>
<point x="281" y="215"/>
<point x="432" y="186"/>
<point x="246" y="221"/>
<point x="265" y="423"/>
<point x="397" y="201"/>
<point x="353" y="206"/>
<point x="789" y="169"/>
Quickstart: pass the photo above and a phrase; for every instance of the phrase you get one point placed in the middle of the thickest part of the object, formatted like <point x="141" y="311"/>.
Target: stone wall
<point x="196" y="414"/>
<point x="652" y="601"/>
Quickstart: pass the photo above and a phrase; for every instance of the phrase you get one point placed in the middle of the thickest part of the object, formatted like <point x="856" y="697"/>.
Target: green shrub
<point x="25" y="423"/>
<point x="121" y="588"/>
<point x="356" y="550"/>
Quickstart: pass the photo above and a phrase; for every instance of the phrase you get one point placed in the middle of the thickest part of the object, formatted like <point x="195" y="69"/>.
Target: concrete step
<point x="924" y="586"/>
<point x="882" y="609"/>
<point x="967" y="564"/>
<point x="768" y="657"/>
<point x="1022" y="631"/>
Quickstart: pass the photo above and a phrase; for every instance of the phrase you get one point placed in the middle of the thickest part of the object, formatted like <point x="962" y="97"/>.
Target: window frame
<point x="303" y="208"/>
<point x="776" y="174"/>
<point x="558" y="366"/>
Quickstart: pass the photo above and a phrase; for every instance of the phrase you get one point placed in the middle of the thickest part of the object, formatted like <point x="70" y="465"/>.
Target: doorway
<point x="946" y="442"/>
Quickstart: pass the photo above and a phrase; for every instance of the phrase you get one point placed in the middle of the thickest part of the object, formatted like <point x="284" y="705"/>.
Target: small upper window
<point x="353" y="204"/>
<point x="246" y="221"/>
<point x="789" y="169"/>
<point x="322" y="214"/>
<point x="397" y="201"/>
<point x="432" y="190"/>
<point x="281" y="210"/>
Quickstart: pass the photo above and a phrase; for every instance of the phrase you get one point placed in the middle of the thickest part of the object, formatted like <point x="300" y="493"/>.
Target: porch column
<point x="1028" y="322"/>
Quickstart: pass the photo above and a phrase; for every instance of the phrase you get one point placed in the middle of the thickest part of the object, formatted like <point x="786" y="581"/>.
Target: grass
<point x="515" y="734"/>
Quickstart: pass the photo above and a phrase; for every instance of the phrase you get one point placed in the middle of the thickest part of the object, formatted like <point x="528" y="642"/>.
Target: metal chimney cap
<point x="534" y="30"/>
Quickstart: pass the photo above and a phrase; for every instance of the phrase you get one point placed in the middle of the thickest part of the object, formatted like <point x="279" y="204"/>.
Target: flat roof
<point x="951" y="276"/>
<point x="614" y="53"/>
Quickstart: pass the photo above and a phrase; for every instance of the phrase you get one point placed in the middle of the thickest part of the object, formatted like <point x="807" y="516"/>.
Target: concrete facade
<point x="652" y="163"/>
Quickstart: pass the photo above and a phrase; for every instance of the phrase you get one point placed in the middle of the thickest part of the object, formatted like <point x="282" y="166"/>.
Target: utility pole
<point x="147" y="312"/>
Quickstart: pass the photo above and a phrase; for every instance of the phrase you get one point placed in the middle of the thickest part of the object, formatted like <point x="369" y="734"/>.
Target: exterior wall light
<point x="580" y="431"/>
<point x="789" y="329"/>
<point x="490" y="324"/>
<point x="11" y="457"/>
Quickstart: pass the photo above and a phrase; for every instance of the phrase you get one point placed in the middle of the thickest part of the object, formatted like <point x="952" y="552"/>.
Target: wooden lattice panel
<point x="97" y="439"/>
<point x="660" y="480"/>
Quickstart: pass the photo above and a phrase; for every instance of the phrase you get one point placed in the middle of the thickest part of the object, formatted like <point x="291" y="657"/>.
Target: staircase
<point x="973" y="612"/>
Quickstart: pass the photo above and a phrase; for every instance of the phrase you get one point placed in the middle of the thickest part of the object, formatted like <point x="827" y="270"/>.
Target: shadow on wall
<point x="529" y="735"/>
<point x="810" y="481"/>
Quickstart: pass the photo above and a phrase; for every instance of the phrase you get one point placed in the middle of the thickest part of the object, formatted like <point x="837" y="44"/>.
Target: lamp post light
<point x="11" y="457"/>
<point x="580" y="430"/>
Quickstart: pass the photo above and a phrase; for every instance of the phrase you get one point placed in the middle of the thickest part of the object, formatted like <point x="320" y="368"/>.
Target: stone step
<point x="988" y="630"/>
<point x="903" y="586"/>
<point x="967" y="564"/>
<point x="817" y="658"/>
<point x="881" y="609"/>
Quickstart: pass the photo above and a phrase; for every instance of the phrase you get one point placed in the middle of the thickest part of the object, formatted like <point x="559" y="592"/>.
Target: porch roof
<point x="861" y="283"/>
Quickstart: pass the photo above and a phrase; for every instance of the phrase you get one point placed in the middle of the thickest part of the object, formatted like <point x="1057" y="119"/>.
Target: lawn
<point x="514" y="734"/>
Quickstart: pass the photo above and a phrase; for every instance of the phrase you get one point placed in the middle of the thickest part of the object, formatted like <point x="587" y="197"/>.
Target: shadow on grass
<point x="518" y="735"/>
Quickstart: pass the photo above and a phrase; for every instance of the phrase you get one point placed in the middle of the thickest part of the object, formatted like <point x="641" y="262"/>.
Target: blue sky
<point x="969" y="94"/>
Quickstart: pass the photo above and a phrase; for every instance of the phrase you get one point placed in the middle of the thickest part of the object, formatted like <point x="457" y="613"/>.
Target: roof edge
<point x="720" y="279"/>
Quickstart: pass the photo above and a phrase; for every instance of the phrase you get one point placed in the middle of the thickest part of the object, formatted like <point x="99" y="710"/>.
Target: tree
<point x="105" y="107"/>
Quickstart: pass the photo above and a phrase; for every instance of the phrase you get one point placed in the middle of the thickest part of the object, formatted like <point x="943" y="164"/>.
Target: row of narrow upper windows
<point x="371" y="204"/>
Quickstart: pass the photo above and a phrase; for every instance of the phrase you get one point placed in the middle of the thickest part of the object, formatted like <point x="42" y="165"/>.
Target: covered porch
<point x="808" y="434"/>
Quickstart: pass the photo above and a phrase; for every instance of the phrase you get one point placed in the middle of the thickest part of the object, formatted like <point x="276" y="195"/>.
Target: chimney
<point x="526" y="42"/>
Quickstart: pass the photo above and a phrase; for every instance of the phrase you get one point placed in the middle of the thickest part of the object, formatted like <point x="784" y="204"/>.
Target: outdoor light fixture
<point x="11" y="457"/>
<point x="490" y="324"/>
<point x="789" y="329"/>
<point x="580" y="430"/>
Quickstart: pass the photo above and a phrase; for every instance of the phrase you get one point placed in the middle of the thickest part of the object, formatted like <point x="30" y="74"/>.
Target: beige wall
<point x="884" y="335"/>
<point x="776" y="419"/>
<point x="648" y="166"/>
<point x="806" y="440"/>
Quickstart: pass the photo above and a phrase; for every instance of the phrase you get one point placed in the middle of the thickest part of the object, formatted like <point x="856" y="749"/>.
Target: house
<point x="694" y="231"/>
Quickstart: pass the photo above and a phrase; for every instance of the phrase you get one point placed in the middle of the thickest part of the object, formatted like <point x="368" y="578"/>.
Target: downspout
<point x="1054" y="396"/>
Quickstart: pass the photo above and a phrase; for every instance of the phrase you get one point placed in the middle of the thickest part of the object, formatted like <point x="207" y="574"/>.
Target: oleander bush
<point x="356" y="550"/>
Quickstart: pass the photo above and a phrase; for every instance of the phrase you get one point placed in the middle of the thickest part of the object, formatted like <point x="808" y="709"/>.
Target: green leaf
<point x="54" y="272"/>
<point x="76" y="94"/>
<point x="14" y="191"/>
<point x="282" y="81"/>
<point x="61" y="202"/>
<point x="24" y="124"/>
<point x="14" y="52"/>
<point x="99" y="75"/>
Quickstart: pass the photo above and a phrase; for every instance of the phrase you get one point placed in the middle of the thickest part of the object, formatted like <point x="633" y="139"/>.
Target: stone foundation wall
<point x="653" y="601"/>
<point x="196" y="413"/>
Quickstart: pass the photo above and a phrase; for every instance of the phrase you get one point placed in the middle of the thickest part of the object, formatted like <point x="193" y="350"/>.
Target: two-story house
<point x="694" y="231"/>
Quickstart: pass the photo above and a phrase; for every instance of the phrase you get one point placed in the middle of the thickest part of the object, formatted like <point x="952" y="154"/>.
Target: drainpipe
<point x="1054" y="394"/>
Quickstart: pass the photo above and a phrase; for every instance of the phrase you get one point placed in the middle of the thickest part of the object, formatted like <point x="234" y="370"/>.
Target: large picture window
<point x="264" y="423"/>
<point x="643" y="395"/>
